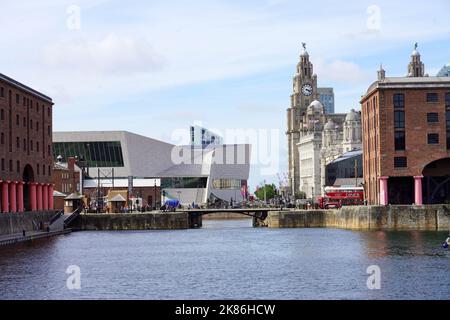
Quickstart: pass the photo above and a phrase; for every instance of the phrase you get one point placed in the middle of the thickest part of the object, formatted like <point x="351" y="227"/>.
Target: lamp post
<point x="154" y="201"/>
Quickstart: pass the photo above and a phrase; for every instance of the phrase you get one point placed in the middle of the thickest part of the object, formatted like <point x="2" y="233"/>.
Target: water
<point x="229" y="260"/>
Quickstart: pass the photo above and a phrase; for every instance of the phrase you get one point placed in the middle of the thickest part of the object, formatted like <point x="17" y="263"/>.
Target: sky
<point x="157" y="67"/>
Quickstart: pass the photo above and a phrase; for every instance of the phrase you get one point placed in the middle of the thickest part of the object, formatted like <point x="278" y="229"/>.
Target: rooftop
<point x="23" y="87"/>
<point x="409" y="82"/>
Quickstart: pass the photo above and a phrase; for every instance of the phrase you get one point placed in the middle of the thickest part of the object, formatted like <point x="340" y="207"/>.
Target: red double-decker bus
<point x="342" y="196"/>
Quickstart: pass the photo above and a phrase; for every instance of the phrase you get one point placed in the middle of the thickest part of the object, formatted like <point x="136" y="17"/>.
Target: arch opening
<point x="436" y="182"/>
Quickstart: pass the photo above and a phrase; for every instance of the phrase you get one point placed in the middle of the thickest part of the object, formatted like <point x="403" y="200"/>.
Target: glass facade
<point x="102" y="154"/>
<point x="183" y="183"/>
<point x="233" y="184"/>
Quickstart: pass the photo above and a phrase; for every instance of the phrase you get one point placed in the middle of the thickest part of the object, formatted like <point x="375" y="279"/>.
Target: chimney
<point x="71" y="163"/>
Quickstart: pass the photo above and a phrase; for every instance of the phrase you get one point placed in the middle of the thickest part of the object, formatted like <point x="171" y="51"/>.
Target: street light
<point x="154" y="201"/>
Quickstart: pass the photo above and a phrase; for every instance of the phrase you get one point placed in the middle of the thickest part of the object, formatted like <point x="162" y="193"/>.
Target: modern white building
<point x="192" y="174"/>
<point x="217" y="173"/>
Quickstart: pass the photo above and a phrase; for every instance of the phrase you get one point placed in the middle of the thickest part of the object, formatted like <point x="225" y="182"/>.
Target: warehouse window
<point x="399" y="101"/>
<point x="432" y="97"/>
<point x="433" y="117"/>
<point x="433" y="138"/>
<point x="400" y="140"/>
<point x="399" y="119"/>
<point x="400" y="162"/>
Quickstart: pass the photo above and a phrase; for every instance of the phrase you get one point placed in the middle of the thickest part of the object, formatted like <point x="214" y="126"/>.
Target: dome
<point x="352" y="116"/>
<point x="415" y="53"/>
<point x="316" y="105"/>
<point x="330" y="125"/>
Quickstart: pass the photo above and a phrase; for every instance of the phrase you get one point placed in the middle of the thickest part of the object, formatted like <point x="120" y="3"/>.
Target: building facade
<point x="304" y="93"/>
<point x="120" y="160"/>
<point x="315" y="137"/>
<point x="326" y="97"/>
<point x="67" y="178"/>
<point x="406" y="137"/>
<point x="325" y="138"/>
<point x="25" y="148"/>
<point x="203" y="137"/>
<point x="346" y="171"/>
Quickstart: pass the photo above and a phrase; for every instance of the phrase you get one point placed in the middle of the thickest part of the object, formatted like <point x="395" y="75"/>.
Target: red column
<point x="12" y="196"/>
<point x="418" y="190"/>
<point x="33" y="197"/>
<point x="39" y="196"/>
<point x="5" y="196"/>
<point x="50" y="197"/>
<point x="384" y="191"/>
<point x="20" y="205"/>
<point x="45" y="196"/>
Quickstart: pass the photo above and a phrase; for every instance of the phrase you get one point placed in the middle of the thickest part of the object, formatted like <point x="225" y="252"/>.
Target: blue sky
<point x="153" y="67"/>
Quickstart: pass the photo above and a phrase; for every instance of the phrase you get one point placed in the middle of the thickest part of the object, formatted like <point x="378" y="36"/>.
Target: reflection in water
<point x="229" y="260"/>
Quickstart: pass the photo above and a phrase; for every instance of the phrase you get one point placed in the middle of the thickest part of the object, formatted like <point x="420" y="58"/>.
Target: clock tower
<point x="304" y="93"/>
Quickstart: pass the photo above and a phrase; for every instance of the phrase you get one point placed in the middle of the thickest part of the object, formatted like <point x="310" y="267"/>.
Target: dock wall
<point x="432" y="217"/>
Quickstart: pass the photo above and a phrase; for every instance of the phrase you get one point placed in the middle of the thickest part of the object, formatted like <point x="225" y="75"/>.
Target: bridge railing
<point x="71" y="218"/>
<point x="56" y="217"/>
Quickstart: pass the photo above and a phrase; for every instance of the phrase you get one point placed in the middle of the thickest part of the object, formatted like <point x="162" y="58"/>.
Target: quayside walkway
<point x="29" y="236"/>
<point x="57" y="226"/>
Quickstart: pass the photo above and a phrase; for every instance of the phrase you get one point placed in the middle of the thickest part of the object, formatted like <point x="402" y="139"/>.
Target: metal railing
<point x="72" y="217"/>
<point x="56" y="216"/>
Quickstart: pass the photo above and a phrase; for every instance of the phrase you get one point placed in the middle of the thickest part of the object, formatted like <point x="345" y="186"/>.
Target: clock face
<point x="307" y="90"/>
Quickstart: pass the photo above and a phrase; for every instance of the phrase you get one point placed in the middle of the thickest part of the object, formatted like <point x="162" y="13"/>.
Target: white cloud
<point x="113" y="54"/>
<point x="339" y="71"/>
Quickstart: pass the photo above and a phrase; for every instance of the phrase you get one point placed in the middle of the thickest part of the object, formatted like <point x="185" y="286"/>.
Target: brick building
<point x="66" y="177"/>
<point x="25" y="148"/>
<point x="406" y="138"/>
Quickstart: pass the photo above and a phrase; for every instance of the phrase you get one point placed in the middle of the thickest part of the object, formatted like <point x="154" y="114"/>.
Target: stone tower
<point x="416" y="68"/>
<point x="304" y="92"/>
<point x="352" y="138"/>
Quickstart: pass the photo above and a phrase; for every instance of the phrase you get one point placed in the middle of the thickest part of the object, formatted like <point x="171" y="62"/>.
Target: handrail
<point x="72" y="217"/>
<point x="56" y="217"/>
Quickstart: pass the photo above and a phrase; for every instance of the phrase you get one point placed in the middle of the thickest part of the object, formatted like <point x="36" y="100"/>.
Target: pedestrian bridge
<point x="257" y="213"/>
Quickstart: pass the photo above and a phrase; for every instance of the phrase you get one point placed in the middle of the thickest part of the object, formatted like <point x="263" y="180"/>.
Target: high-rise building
<point x="406" y="138"/>
<point x="445" y="71"/>
<point x="326" y="97"/>
<point x="203" y="137"/>
<point x="25" y="148"/>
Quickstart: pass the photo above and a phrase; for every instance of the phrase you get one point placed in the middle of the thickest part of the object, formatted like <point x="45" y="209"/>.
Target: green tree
<point x="270" y="191"/>
<point x="300" y="195"/>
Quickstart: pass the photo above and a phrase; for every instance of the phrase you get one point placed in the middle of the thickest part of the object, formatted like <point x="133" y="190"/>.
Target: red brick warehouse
<point x="406" y="138"/>
<point x="25" y="148"/>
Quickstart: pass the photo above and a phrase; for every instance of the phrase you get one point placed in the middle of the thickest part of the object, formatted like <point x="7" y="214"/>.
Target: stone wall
<point x="433" y="217"/>
<point x="11" y="223"/>
<point x="127" y="221"/>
